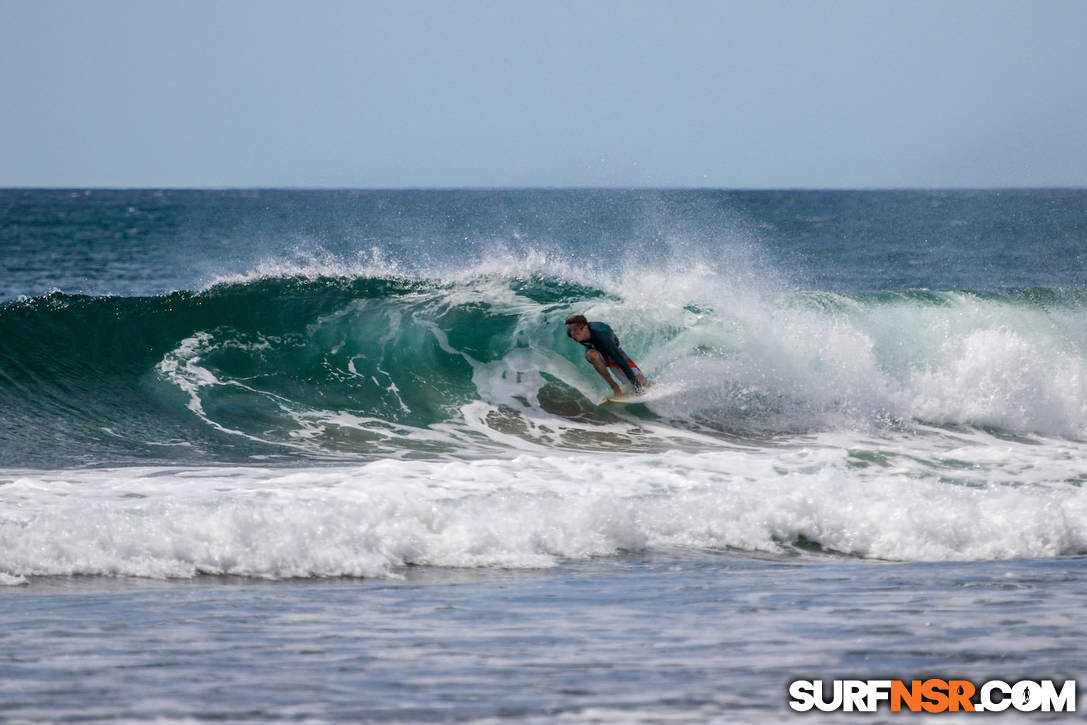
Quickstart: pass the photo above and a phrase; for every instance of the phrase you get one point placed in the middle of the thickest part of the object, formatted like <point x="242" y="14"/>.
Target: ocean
<point x="329" y="455"/>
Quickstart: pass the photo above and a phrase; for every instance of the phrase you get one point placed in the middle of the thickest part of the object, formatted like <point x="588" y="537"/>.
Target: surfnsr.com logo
<point x="933" y="695"/>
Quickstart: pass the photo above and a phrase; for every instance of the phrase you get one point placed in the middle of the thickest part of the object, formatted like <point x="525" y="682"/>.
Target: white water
<point x="937" y="496"/>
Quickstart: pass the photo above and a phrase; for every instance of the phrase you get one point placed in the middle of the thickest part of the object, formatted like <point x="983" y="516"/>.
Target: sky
<point x="551" y="93"/>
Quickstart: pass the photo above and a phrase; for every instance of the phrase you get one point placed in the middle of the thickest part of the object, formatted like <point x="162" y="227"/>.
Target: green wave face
<point x="298" y="368"/>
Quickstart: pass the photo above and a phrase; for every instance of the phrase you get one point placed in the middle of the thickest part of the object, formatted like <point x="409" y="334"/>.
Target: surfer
<point x="604" y="352"/>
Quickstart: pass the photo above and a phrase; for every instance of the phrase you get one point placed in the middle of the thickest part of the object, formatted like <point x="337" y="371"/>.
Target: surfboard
<point x="652" y="391"/>
<point x="618" y="399"/>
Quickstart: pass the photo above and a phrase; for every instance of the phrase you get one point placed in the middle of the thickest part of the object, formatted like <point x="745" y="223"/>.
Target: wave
<point x="370" y="365"/>
<point x="370" y="520"/>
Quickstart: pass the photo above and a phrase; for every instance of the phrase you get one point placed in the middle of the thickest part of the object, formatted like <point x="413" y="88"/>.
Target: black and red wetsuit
<point x="603" y="340"/>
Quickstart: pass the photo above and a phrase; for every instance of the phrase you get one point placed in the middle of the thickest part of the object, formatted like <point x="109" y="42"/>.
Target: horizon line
<point x="482" y="188"/>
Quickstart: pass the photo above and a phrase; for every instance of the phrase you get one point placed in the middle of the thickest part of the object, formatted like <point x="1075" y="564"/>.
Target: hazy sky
<point x="469" y="93"/>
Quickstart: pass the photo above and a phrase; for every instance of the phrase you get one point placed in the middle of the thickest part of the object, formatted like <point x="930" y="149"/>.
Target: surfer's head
<point x="577" y="327"/>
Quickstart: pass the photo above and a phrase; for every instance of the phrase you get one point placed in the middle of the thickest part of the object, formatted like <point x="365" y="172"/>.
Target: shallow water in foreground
<point x="673" y="637"/>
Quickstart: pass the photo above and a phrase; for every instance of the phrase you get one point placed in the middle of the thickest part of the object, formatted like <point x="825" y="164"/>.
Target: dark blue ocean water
<point x="329" y="455"/>
<point x="142" y="242"/>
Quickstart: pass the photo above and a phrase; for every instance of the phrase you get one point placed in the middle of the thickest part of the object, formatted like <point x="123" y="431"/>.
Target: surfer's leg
<point x="639" y="379"/>
<point x="597" y="360"/>
<point x="642" y="382"/>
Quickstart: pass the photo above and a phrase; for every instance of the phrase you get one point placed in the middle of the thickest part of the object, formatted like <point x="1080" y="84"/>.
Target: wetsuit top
<point x="603" y="340"/>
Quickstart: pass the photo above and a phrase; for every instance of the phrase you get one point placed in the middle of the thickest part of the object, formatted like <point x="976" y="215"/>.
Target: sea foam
<point x="535" y="510"/>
